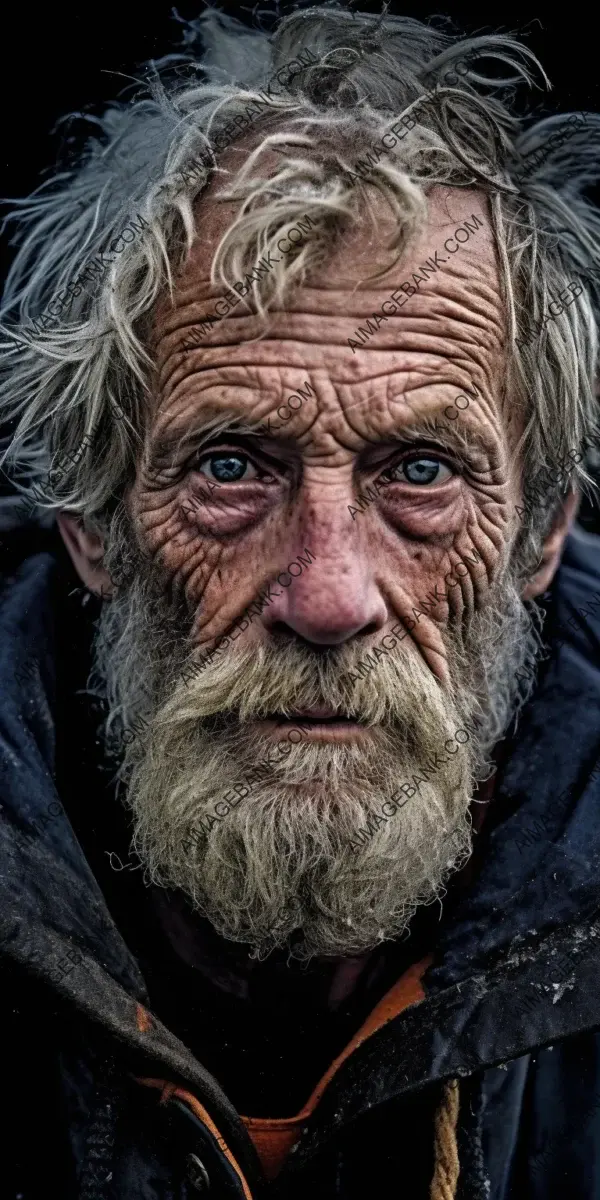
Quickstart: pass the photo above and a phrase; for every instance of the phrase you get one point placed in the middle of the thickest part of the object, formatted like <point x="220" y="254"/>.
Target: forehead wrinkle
<point x="319" y="329"/>
<point x="445" y="207"/>
<point x="336" y="305"/>
<point x="305" y="302"/>
<point x="412" y="336"/>
<point x="348" y="371"/>
<point x="318" y="297"/>
<point x="445" y="325"/>
<point x="407" y="377"/>
<point x="214" y="363"/>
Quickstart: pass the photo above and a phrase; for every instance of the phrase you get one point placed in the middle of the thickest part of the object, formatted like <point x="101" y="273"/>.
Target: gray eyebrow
<point x="204" y="429"/>
<point x="440" y="429"/>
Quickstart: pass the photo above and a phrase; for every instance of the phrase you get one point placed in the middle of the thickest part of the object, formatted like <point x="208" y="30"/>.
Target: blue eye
<point x="422" y="470"/>
<point x="227" y="467"/>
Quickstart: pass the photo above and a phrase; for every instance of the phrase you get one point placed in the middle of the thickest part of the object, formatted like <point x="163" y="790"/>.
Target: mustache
<point x="259" y="681"/>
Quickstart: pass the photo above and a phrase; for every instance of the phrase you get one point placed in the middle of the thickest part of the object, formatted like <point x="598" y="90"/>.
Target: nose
<point x="335" y="600"/>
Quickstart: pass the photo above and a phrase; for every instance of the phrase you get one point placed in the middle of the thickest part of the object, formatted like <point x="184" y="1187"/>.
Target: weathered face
<point x="250" y="505"/>
<point x="384" y="624"/>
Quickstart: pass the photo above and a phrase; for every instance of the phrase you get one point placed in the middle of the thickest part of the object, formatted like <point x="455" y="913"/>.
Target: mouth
<point x="317" y="724"/>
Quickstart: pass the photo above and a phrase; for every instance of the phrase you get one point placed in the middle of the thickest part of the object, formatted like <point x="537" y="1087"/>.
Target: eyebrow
<point x="217" y="420"/>
<point x="222" y="421"/>
<point x="438" y="429"/>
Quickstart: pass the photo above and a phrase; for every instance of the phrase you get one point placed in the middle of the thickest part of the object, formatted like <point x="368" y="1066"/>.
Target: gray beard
<point x="303" y="854"/>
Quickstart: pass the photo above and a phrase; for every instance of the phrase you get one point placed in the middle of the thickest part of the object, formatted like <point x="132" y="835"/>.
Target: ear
<point x="553" y="547"/>
<point x="87" y="553"/>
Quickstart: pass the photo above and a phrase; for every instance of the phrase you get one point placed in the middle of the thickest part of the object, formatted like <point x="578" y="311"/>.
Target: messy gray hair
<point x="321" y="88"/>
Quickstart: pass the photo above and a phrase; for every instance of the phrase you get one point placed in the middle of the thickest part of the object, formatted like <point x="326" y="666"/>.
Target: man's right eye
<point x="227" y="467"/>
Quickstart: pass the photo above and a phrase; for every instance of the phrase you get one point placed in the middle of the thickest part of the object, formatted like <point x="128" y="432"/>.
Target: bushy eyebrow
<point x="457" y="437"/>
<point x="205" y="428"/>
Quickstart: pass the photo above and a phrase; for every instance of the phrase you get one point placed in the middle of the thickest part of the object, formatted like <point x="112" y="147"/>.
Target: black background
<point x="63" y="60"/>
<point x="60" y="59"/>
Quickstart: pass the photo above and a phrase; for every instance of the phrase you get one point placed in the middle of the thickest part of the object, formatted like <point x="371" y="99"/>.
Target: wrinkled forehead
<point x="362" y="249"/>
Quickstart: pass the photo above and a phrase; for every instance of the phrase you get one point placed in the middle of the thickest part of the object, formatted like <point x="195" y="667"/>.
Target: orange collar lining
<point x="274" y="1137"/>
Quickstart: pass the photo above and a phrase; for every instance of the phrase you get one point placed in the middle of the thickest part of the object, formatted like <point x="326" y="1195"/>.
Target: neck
<point x="328" y="982"/>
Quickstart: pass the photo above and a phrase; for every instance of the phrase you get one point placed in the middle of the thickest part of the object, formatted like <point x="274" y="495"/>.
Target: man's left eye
<point x="423" y="470"/>
<point x="227" y="467"/>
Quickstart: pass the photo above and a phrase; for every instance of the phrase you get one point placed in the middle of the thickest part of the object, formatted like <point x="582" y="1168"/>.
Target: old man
<point x="300" y="845"/>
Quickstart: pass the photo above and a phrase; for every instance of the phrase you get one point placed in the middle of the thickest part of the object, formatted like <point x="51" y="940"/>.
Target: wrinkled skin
<point x="372" y="570"/>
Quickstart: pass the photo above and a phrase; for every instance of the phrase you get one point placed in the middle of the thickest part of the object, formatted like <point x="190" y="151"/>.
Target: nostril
<point x="368" y="630"/>
<point x="285" y="632"/>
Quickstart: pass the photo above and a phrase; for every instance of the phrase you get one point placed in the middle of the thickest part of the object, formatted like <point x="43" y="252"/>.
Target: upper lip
<point x="318" y="714"/>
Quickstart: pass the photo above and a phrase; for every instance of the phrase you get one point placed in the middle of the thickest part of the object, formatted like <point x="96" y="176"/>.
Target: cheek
<point x="173" y="541"/>
<point x="441" y="587"/>
<point x="218" y="577"/>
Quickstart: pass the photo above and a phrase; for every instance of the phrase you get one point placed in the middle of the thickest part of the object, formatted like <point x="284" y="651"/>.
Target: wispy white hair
<point x="151" y="158"/>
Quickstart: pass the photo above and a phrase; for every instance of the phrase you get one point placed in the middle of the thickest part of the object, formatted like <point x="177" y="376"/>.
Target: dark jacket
<point x="512" y="999"/>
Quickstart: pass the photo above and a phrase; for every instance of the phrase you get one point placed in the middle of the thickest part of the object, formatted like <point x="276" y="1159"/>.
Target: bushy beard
<point x="300" y="859"/>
